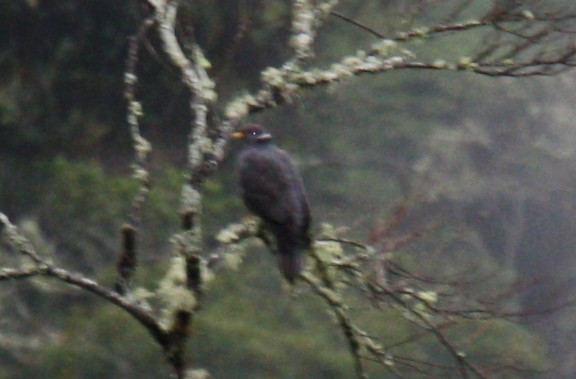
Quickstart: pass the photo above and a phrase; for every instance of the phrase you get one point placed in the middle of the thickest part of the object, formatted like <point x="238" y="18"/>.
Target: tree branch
<point x="43" y="268"/>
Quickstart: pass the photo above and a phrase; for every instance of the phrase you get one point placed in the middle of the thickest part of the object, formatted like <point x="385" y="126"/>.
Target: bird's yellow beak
<point x="237" y="135"/>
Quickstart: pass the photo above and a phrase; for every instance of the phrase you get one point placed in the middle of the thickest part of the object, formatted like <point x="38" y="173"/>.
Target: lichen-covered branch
<point x="43" y="267"/>
<point x="201" y="89"/>
<point x="127" y="259"/>
<point x="12" y="237"/>
<point x="204" y="155"/>
<point x="334" y="301"/>
<point x="14" y="273"/>
<point x="331" y="274"/>
<point x="141" y="146"/>
<point x="434" y="307"/>
<point x="544" y="48"/>
<point x="306" y="18"/>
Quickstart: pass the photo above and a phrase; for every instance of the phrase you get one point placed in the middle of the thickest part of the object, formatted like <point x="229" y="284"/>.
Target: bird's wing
<point x="299" y="198"/>
<point x="271" y="186"/>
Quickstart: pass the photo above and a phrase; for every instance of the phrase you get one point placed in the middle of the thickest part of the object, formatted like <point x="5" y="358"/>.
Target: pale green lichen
<point x="327" y="6"/>
<point x="176" y="274"/>
<point x="372" y="66"/>
<point x="173" y="292"/>
<point x="204" y="144"/>
<point x="421" y="32"/>
<point x="250" y="100"/>
<point x="198" y="373"/>
<point x="142" y="146"/>
<point x="130" y="79"/>
<point x="190" y="200"/>
<point x="332" y="296"/>
<point x="341" y="70"/>
<point x="428" y="296"/>
<point x="402" y="36"/>
<point x="156" y="3"/>
<point x="372" y="60"/>
<point x="329" y="254"/>
<point x="140" y="174"/>
<point x="234" y="232"/>
<point x="302" y="28"/>
<point x="406" y="53"/>
<point x="327" y="251"/>
<point x="352" y="61"/>
<point x="439" y="63"/>
<point x="528" y="14"/>
<point x="201" y="59"/>
<point x="308" y="78"/>
<point x="210" y="95"/>
<point x="407" y="293"/>
<point x="227" y="235"/>
<point x="467" y="63"/>
<point x="328" y="76"/>
<point x="179" y="299"/>
<point x="136" y="108"/>
<point x="385" y="47"/>
<point x="272" y="76"/>
<point x="232" y="259"/>
<point x="237" y="109"/>
<point x="389" y="360"/>
<point x="328" y="230"/>
<point x="290" y="89"/>
<point x="301" y="41"/>
<point x="140" y="296"/>
<point x="395" y="61"/>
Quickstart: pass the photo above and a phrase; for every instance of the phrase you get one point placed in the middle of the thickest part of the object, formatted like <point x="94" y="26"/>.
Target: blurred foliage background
<point x="490" y="160"/>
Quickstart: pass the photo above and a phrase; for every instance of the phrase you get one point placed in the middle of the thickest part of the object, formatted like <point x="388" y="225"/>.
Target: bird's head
<point x="252" y="133"/>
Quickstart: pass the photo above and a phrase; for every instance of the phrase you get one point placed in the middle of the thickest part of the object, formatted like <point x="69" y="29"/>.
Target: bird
<point x="273" y="190"/>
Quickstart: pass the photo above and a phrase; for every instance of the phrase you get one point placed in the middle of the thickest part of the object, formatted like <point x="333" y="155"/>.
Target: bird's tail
<point x="291" y="264"/>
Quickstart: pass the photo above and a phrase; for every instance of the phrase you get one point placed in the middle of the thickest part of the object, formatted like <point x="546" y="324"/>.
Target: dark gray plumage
<point x="273" y="190"/>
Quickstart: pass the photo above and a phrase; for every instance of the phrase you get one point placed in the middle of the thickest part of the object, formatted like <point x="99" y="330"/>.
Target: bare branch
<point x="13" y="273"/>
<point x="140" y="171"/>
<point x="325" y="289"/>
<point x="282" y="84"/>
<point x="358" y="24"/>
<point x="141" y="146"/>
<point x="126" y="264"/>
<point x="306" y="18"/>
<point x="45" y="268"/>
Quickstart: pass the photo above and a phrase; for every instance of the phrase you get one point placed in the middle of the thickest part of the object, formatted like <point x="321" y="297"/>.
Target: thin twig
<point x="358" y="24"/>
